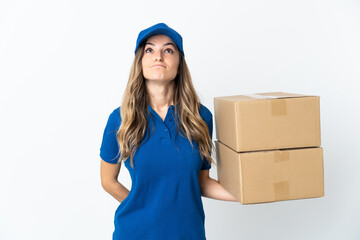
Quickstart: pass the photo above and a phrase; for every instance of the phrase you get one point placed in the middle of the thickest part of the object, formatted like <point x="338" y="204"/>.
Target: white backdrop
<point x="63" y="69"/>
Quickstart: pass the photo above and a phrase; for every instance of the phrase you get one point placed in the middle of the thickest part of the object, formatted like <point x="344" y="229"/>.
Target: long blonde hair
<point x="134" y="111"/>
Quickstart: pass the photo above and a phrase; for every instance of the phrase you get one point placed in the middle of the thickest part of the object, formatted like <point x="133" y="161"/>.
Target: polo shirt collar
<point x="154" y="113"/>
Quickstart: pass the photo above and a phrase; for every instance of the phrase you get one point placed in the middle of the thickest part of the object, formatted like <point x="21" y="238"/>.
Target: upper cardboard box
<point x="267" y="121"/>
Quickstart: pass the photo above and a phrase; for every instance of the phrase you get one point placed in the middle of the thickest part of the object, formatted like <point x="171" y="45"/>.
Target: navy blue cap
<point x="160" y="28"/>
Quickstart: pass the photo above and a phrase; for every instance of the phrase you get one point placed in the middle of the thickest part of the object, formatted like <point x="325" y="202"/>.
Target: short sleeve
<point x="207" y="117"/>
<point x="109" y="150"/>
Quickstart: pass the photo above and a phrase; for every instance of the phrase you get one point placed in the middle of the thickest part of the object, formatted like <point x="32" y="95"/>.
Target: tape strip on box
<point x="281" y="190"/>
<point x="278" y="103"/>
<point x="278" y="107"/>
<point x="258" y="96"/>
<point x="281" y="156"/>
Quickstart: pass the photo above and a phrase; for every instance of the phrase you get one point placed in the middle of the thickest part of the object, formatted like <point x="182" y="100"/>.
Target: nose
<point x="158" y="56"/>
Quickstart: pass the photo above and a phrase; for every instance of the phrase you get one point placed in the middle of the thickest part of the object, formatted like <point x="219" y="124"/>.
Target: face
<point x="160" y="61"/>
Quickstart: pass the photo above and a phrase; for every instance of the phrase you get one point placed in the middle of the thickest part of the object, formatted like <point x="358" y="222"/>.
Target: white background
<point x="63" y="69"/>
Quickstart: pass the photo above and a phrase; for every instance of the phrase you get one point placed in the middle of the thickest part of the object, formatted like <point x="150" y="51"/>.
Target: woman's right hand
<point x="109" y="173"/>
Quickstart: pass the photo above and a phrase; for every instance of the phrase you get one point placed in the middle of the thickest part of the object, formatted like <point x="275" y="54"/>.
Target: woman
<point x="163" y="135"/>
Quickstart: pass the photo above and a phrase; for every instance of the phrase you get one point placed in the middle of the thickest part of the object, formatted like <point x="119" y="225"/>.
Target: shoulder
<point x="205" y="113"/>
<point x="115" y="118"/>
<point x="116" y="113"/>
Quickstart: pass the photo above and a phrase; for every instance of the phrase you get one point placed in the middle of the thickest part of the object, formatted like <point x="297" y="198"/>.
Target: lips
<point x="158" y="65"/>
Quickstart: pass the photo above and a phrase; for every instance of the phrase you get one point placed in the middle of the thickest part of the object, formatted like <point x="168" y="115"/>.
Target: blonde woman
<point x="163" y="135"/>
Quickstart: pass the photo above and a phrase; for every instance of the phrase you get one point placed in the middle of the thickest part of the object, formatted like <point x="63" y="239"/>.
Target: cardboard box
<point x="267" y="121"/>
<point x="267" y="176"/>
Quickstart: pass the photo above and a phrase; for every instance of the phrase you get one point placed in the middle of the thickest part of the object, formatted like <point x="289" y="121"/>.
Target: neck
<point x="160" y="95"/>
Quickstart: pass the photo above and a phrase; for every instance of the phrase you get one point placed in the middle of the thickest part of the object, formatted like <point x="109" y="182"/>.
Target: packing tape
<point x="278" y="103"/>
<point x="281" y="156"/>
<point x="278" y="107"/>
<point x="258" y="96"/>
<point x="281" y="190"/>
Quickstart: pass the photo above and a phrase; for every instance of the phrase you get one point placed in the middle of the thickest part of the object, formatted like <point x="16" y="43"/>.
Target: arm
<point x="211" y="188"/>
<point x="109" y="173"/>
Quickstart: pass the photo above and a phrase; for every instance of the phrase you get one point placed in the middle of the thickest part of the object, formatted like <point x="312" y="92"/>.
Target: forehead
<point x="159" y="39"/>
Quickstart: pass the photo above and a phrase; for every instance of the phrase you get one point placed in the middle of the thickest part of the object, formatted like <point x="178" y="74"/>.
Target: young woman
<point x="163" y="135"/>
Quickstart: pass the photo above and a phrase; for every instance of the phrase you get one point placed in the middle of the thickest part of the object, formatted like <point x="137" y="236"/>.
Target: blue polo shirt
<point x="164" y="202"/>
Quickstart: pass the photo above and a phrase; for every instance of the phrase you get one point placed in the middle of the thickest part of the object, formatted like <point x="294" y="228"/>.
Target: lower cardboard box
<point x="268" y="176"/>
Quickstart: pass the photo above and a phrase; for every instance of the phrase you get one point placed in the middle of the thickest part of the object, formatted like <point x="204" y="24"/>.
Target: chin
<point x="159" y="78"/>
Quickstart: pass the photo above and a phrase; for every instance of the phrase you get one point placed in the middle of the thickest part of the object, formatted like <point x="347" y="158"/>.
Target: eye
<point x="148" y="50"/>
<point x="169" y="50"/>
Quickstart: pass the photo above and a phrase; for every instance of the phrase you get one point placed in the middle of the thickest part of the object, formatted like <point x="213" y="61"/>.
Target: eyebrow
<point x="166" y="44"/>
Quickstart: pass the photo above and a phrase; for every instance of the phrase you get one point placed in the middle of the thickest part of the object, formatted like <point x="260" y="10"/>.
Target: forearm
<point x="117" y="190"/>
<point x="211" y="188"/>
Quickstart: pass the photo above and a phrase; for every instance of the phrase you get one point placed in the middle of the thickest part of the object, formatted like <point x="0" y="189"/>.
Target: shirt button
<point x="165" y="130"/>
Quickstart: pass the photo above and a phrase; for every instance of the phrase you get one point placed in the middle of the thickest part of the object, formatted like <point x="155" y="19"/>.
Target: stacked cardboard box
<point x="268" y="146"/>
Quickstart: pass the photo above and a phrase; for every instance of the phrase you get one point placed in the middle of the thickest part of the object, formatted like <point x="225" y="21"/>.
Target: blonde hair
<point x="134" y="112"/>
